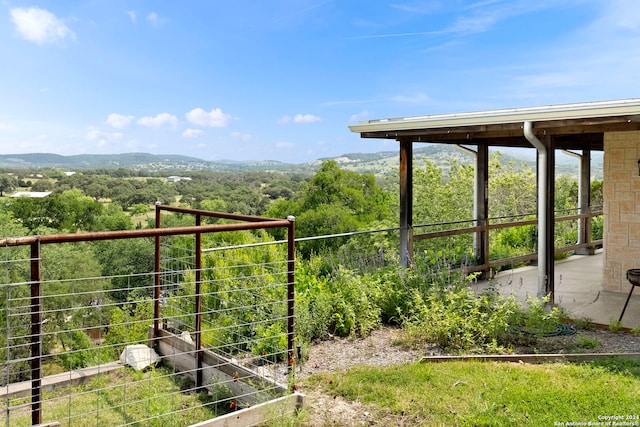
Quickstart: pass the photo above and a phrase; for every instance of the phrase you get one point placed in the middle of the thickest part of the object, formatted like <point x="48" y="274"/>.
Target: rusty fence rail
<point x="468" y="228"/>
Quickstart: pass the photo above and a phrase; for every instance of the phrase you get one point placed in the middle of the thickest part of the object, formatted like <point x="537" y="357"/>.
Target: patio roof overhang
<point x="579" y="126"/>
<point x="572" y="126"/>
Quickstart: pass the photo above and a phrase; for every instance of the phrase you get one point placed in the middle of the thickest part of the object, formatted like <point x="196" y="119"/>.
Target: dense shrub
<point x="80" y="352"/>
<point x="340" y="303"/>
<point x="433" y="303"/>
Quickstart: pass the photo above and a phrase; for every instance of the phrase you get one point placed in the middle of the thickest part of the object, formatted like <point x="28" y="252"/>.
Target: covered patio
<point x="578" y="290"/>
<point x="609" y="126"/>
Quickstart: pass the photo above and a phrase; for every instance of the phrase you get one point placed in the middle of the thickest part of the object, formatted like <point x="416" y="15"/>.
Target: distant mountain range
<point x="380" y="163"/>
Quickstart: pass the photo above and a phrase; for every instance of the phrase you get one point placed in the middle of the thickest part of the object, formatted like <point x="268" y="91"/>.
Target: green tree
<point x="76" y="211"/>
<point x="139" y="209"/>
<point x="69" y="211"/>
<point x="14" y="299"/>
<point x="512" y="188"/>
<point x="43" y="185"/>
<point x="442" y="198"/>
<point x="334" y="201"/>
<point x="73" y="292"/>
<point x="130" y="265"/>
<point x="112" y="218"/>
<point x="7" y="183"/>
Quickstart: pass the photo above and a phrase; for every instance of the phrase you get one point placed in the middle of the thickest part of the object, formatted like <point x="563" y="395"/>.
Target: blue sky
<point x="283" y="79"/>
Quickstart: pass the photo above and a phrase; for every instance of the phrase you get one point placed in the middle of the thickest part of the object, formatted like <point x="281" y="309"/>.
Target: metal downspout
<point x="542" y="208"/>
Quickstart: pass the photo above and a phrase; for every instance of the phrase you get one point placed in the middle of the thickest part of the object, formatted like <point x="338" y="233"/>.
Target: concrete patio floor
<point x="577" y="287"/>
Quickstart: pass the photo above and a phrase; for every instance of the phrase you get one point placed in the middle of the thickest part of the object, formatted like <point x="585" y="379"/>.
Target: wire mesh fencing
<point x="218" y="316"/>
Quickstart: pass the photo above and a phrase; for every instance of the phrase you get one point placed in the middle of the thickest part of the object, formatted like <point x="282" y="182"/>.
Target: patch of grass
<point x="585" y="342"/>
<point x="152" y="398"/>
<point x="615" y="325"/>
<point x="490" y="394"/>
<point x="620" y="365"/>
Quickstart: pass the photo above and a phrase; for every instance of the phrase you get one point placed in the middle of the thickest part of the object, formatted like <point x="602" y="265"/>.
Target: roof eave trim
<point x="493" y="117"/>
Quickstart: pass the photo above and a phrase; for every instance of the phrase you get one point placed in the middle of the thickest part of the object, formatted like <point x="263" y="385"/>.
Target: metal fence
<point x="218" y="315"/>
<point x="214" y="299"/>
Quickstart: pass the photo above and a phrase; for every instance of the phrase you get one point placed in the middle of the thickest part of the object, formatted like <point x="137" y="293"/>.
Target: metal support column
<point x="549" y="212"/>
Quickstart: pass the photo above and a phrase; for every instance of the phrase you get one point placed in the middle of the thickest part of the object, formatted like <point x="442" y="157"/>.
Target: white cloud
<point x="192" y="133"/>
<point x="119" y="121"/>
<point x="214" y="118"/>
<point x="306" y="118"/>
<point x="102" y="138"/>
<point x="299" y="118"/>
<point x="39" y="25"/>
<point x="6" y="127"/>
<point x="242" y="136"/>
<point x="132" y="15"/>
<point x="153" y="18"/>
<point x="159" y="121"/>
<point x="619" y="15"/>
<point x="359" y="116"/>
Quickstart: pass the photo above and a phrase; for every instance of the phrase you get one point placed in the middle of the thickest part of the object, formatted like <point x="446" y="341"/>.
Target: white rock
<point x="186" y="336"/>
<point x="139" y="356"/>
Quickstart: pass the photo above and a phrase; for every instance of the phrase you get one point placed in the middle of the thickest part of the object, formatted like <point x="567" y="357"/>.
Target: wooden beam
<point x="508" y="134"/>
<point x="481" y="193"/>
<point x="406" y="202"/>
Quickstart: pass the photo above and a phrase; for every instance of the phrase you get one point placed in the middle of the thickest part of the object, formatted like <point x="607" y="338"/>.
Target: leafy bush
<point x="436" y="305"/>
<point x="130" y="324"/>
<point x="459" y="320"/>
<point x="340" y="303"/>
<point x="80" y="352"/>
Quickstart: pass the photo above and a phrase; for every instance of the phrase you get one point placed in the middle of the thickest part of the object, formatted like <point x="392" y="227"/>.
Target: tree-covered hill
<point x="380" y="163"/>
<point x="94" y="161"/>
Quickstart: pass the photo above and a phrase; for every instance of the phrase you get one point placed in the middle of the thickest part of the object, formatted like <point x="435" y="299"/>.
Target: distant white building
<point x="32" y="194"/>
<point x="175" y="178"/>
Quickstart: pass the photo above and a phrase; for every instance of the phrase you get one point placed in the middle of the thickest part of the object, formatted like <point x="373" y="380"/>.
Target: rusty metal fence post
<point x="36" y="334"/>
<point x="291" y="257"/>
<point x="156" y="280"/>
<point x="198" y="304"/>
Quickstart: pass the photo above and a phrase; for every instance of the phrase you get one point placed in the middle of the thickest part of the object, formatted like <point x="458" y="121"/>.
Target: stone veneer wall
<point x="621" y="209"/>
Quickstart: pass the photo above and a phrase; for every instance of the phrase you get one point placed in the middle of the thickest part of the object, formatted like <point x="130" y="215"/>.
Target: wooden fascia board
<point x="511" y="130"/>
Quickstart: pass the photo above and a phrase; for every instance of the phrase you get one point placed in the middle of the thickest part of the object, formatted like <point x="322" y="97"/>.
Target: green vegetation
<point x="151" y="398"/>
<point x="345" y="286"/>
<point x="434" y="305"/>
<point x="587" y="342"/>
<point x="490" y="393"/>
